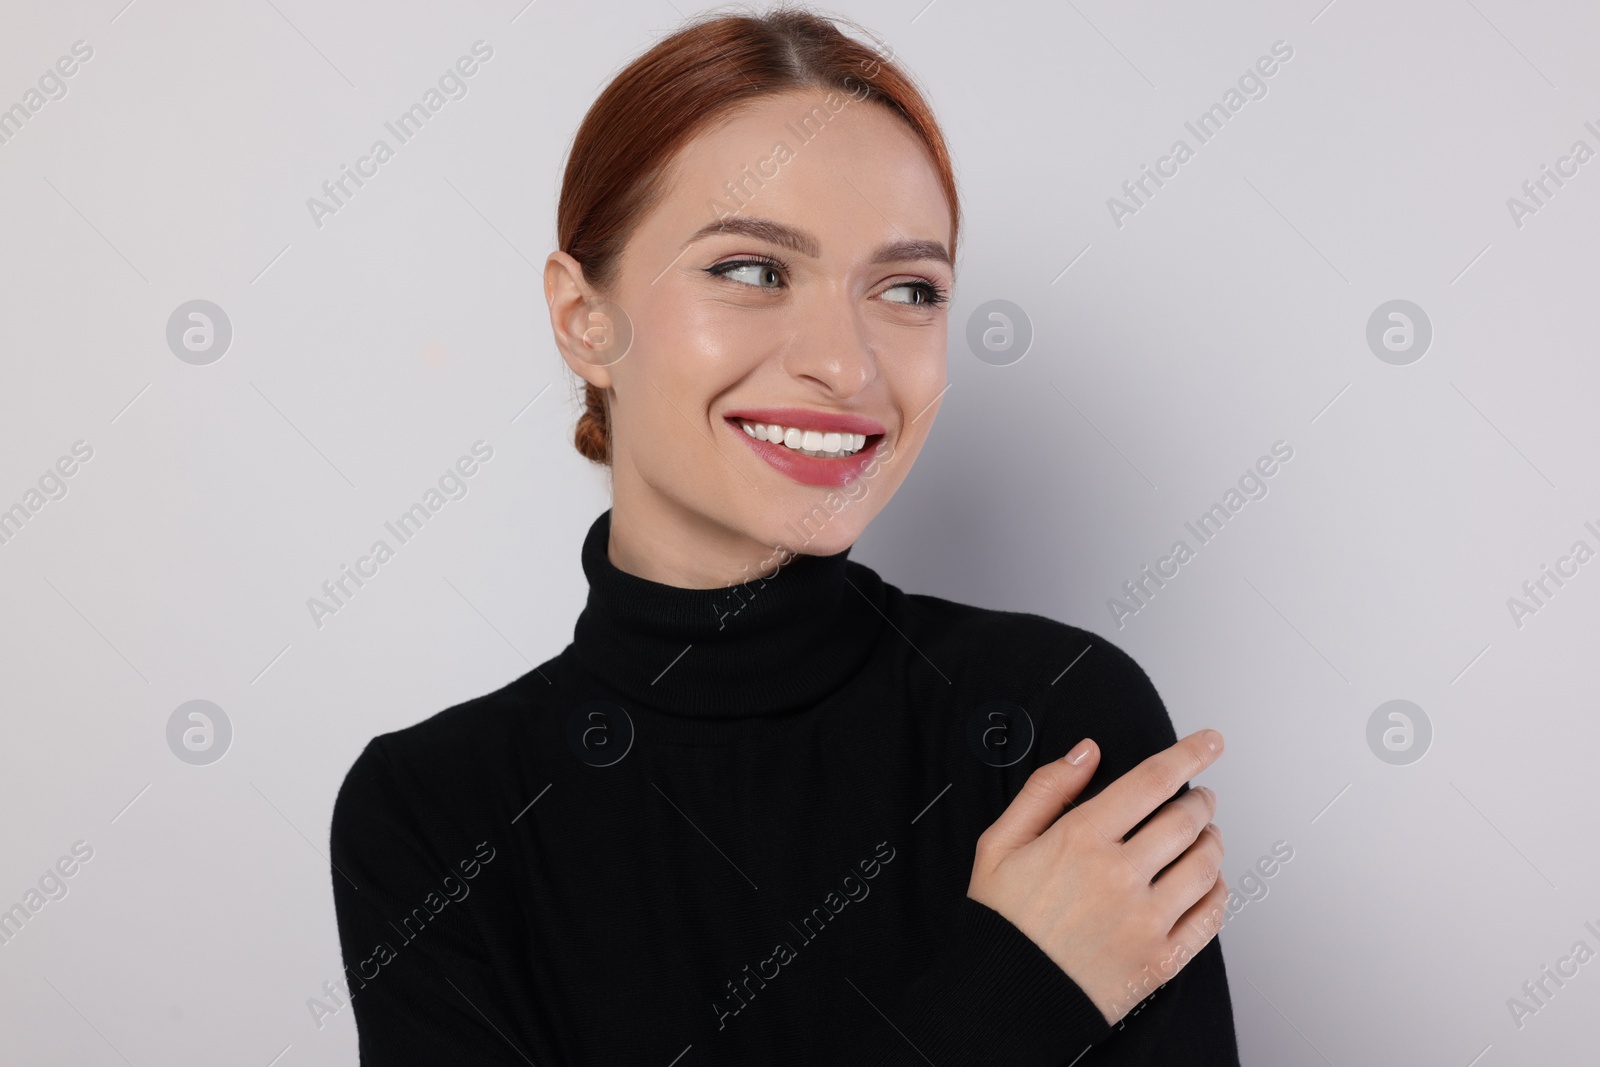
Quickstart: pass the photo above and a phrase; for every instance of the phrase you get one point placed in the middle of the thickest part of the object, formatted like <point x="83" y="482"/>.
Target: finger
<point x="1191" y="876"/>
<point x="1171" y="830"/>
<point x="1120" y="806"/>
<point x="1043" y="797"/>
<point x="1203" y="921"/>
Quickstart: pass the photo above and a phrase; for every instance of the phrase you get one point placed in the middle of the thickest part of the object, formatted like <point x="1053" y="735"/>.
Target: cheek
<point x="715" y="346"/>
<point x="917" y="376"/>
<point x="684" y="358"/>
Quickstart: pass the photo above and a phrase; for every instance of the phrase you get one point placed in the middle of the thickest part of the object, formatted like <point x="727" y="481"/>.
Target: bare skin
<point x="836" y="321"/>
<point x="1063" y="875"/>
<point x="844" y="326"/>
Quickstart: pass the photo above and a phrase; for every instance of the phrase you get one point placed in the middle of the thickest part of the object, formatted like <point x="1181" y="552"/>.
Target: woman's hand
<point x="1084" y="895"/>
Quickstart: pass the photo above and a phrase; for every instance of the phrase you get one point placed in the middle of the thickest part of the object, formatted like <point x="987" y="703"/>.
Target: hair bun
<point x="592" y="436"/>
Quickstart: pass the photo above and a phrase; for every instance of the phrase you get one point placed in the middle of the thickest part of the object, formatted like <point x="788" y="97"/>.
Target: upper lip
<point x="805" y="419"/>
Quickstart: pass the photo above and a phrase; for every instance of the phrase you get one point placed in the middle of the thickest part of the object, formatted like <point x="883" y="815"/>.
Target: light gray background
<point x="1229" y="313"/>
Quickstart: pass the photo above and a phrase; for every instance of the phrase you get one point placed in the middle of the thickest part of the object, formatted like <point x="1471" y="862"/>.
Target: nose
<point x="832" y="348"/>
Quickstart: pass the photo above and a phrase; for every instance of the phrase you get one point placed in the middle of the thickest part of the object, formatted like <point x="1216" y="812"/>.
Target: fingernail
<point x="1213" y="740"/>
<point x="1079" y="753"/>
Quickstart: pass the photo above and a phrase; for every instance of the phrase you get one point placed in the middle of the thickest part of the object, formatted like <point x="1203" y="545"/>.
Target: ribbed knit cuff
<point x="1000" y="999"/>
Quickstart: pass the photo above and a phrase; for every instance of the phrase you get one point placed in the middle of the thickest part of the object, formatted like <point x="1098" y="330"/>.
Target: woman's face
<point x="815" y="315"/>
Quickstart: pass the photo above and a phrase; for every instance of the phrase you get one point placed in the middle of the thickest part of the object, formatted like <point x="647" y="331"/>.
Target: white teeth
<point x="828" y="445"/>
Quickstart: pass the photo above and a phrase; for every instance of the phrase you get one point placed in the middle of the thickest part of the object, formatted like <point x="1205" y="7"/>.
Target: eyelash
<point x="936" y="295"/>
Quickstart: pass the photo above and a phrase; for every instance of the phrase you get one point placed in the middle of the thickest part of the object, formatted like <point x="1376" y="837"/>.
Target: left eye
<point x="761" y="275"/>
<point x="912" y="293"/>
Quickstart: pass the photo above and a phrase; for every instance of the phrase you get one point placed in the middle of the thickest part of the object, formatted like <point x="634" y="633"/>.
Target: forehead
<point x="842" y="167"/>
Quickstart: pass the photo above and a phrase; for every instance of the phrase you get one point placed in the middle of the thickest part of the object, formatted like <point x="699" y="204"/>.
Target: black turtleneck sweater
<point x="736" y="826"/>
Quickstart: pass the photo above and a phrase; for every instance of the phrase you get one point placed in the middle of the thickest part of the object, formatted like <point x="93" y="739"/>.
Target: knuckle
<point x="988" y="850"/>
<point x="1044" y="783"/>
<point x="1079" y="834"/>
<point x="1160" y="778"/>
<point x="1126" y="877"/>
<point x="1186" y="825"/>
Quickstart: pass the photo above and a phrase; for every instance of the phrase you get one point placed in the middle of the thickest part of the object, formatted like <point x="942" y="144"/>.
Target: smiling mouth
<point x="811" y="446"/>
<point x="818" y="444"/>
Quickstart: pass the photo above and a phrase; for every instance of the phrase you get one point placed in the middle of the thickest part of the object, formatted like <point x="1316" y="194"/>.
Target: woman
<point x="765" y="807"/>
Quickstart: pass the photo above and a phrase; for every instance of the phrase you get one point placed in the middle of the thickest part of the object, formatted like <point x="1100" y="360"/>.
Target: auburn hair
<point x="616" y="169"/>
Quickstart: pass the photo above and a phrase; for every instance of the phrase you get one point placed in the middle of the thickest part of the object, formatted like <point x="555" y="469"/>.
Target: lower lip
<point x="810" y="470"/>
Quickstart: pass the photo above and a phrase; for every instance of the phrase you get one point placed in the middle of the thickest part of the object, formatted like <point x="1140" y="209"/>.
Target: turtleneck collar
<point x="764" y="646"/>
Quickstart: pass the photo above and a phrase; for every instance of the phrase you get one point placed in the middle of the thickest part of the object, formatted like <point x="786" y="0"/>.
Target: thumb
<point x="1043" y="797"/>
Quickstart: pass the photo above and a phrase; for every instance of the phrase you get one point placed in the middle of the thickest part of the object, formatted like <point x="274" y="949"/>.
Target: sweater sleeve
<point x="420" y="985"/>
<point x="995" y="997"/>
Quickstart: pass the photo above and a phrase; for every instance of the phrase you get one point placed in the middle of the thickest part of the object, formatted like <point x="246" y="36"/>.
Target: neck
<point x="675" y="547"/>
<point x="655" y="538"/>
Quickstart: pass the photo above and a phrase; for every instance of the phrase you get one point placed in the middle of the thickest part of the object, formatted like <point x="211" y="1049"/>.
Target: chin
<point x="811" y="534"/>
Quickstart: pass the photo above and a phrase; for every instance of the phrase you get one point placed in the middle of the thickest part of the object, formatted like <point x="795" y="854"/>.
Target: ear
<point x="591" y="332"/>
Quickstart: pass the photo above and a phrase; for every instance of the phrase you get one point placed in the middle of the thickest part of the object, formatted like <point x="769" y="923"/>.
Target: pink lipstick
<point x="810" y="470"/>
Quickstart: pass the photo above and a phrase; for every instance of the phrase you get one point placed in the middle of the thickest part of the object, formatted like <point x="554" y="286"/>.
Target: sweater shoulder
<point x="967" y="628"/>
<point x="473" y="726"/>
<point x="1076" y="682"/>
<point x="473" y="741"/>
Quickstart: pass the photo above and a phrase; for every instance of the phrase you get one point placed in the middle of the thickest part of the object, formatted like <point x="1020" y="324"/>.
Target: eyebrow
<point x="799" y="241"/>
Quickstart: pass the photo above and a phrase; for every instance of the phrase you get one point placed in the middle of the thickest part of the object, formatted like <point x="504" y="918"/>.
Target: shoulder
<point x="1020" y="639"/>
<point x="453" y="758"/>
<point x="1075" y="683"/>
